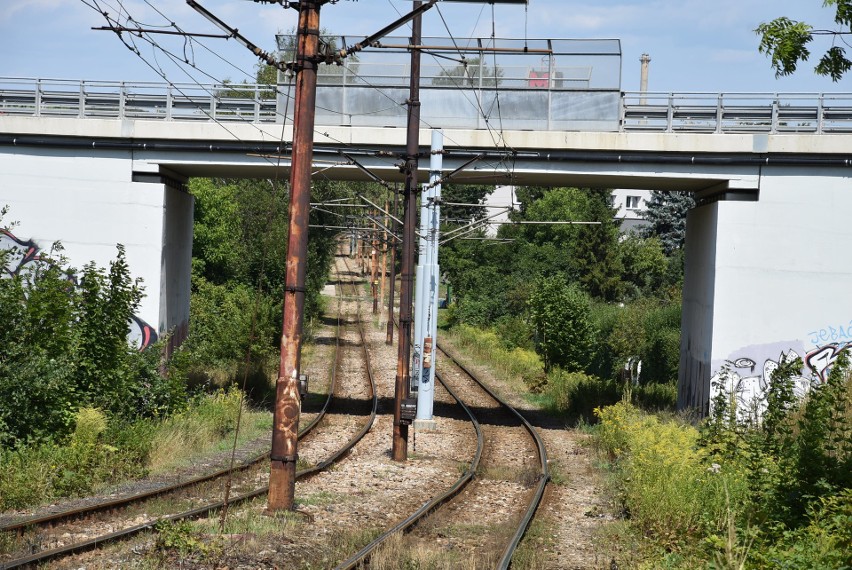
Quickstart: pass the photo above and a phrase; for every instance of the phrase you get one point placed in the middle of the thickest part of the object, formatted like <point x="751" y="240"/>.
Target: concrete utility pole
<point x="285" y="427"/>
<point x="374" y="268"/>
<point x="400" y="429"/>
<point x="428" y="283"/>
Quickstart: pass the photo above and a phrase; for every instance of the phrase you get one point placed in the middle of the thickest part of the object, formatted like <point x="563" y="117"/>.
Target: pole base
<point x="425" y="425"/>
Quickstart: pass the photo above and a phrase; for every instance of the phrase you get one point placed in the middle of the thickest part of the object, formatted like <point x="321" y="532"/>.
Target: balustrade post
<point x="773" y="124"/>
<point x="670" y="113"/>
<point x="257" y="103"/>
<point x="719" y="113"/>
<point x="38" y="98"/>
<point x="81" y="105"/>
<point x="819" y="124"/>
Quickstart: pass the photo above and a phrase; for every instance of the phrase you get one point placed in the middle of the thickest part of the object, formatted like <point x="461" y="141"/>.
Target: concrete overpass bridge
<point x="94" y="164"/>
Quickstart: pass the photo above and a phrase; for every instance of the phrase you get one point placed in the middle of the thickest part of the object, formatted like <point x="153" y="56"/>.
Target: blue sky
<point x="695" y="45"/>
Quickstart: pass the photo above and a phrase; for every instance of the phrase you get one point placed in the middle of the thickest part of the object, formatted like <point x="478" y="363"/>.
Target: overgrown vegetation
<point x="590" y="302"/>
<point x="97" y="409"/>
<point x="774" y="494"/>
<point x="63" y="347"/>
<point x="101" y="451"/>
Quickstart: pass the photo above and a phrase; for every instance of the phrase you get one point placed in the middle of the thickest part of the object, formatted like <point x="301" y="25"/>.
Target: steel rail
<point x="429" y="506"/>
<point x="211" y="507"/>
<point x="363" y="555"/>
<point x="544" y="476"/>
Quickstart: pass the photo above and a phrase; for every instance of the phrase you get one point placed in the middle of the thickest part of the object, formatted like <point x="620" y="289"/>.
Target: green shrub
<point x="561" y="315"/>
<point x="515" y="332"/>
<point x="577" y="394"/>
<point x="661" y="350"/>
<point x="64" y="347"/>
<point x="664" y="481"/>
<point x="768" y="494"/>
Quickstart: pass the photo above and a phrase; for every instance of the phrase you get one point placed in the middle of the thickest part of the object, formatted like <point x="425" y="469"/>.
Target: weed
<point x="530" y="552"/>
<point x="557" y="474"/>
<point x="180" y="538"/>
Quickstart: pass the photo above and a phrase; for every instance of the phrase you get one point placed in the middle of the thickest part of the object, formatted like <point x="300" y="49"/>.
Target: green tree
<point x="466" y="74"/>
<point x="561" y="317"/>
<point x="645" y="265"/>
<point x="596" y="258"/>
<point x="464" y="194"/>
<point x="666" y="217"/>
<point x="786" y="42"/>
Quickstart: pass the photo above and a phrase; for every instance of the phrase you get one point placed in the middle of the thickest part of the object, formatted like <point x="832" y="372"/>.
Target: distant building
<point x="631" y="204"/>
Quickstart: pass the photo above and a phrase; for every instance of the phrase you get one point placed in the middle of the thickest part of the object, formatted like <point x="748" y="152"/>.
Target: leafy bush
<point x="515" y="332"/>
<point x="773" y="493"/>
<point x="664" y="482"/>
<point x="577" y="394"/>
<point x="661" y="350"/>
<point x="561" y="315"/>
<point x="96" y="454"/>
<point x="64" y="347"/>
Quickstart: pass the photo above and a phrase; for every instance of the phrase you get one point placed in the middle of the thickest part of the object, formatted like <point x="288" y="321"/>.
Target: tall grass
<point x="102" y="452"/>
<point x="572" y="394"/>
<point x="207" y="426"/>
<point x="663" y="481"/>
<point x="773" y="493"/>
<point x="486" y="346"/>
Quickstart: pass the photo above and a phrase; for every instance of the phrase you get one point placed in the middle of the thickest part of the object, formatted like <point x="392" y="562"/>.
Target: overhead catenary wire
<point x="186" y="61"/>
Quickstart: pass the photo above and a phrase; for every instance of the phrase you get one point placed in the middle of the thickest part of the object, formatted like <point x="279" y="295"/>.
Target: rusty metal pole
<point x="282" y="475"/>
<point x="400" y="429"/>
<point x="392" y="290"/>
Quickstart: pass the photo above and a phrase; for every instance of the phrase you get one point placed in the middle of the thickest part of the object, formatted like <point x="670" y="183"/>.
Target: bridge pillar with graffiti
<point x="767" y="281"/>
<point x="90" y="203"/>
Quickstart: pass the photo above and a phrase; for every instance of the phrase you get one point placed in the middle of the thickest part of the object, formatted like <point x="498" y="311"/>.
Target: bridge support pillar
<point x="766" y="281"/>
<point x="90" y="202"/>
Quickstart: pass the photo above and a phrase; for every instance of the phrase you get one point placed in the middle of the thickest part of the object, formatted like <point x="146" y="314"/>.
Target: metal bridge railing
<point x="539" y="105"/>
<point x="737" y="112"/>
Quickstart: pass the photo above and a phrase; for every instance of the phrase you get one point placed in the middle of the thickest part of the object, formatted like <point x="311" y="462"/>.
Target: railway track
<point x="450" y="504"/>
<point x="97" y="521"/>
<point x="491" y="418"/>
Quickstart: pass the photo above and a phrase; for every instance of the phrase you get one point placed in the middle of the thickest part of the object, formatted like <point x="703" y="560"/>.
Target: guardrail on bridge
<point x="539" y="105"/>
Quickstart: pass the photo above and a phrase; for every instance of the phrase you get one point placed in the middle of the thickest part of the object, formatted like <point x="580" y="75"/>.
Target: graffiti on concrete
<point x="749" y="387"/>
<point x="820" y="359"/>
<point x="23" y="258"/>
<point x="839" y="334"/>
<point x="740" y="377"/>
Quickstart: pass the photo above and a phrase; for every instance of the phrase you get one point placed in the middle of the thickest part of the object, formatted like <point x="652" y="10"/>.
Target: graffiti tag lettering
<point x="820" y="359"/>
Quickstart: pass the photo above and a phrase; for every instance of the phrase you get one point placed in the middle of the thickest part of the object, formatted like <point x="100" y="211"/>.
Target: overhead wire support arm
<point x="375" y="178"/>
<point x="371" y="40"/>
<point x="379" y="208"/>
<point x="234" y="33"/>
<point x="449" y="176"/>
<point x="139" y="31"/>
